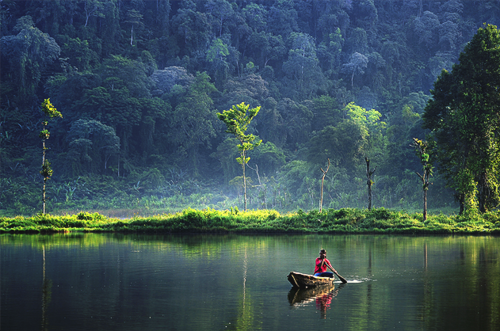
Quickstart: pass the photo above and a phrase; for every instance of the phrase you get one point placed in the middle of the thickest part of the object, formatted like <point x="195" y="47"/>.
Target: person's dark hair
<point x="322" y="251"/>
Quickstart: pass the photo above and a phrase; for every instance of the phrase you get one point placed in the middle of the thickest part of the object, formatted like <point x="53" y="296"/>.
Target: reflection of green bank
<point x="301" y="280"/>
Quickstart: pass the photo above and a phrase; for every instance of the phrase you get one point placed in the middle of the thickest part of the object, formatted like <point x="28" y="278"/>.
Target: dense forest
<point x="139" y="85"/>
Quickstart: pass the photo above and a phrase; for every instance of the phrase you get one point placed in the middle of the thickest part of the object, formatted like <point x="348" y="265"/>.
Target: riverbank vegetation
<point x="346" y="220"/>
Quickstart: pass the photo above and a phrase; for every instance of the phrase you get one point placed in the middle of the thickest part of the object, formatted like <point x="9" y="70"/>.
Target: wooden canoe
<point x="301" y="280"/>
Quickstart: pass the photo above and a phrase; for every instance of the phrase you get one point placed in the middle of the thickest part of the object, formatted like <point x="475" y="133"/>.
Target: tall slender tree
<point x="422" y="150"/>
<point x="49" y="111"/>
<point x="237" y="120"/>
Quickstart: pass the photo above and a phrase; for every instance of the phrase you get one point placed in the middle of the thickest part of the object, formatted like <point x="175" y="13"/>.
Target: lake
<point x="238" y="282"/>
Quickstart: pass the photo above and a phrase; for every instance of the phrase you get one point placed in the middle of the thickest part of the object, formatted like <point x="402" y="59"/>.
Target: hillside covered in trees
<point x="139" y="84"/>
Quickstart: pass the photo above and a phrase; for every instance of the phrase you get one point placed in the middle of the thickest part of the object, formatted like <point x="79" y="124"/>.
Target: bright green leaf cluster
<point x="237" y="120"/>
<point x="46" y="171"/>
<point x="44" y="134"/>
<point x="49" y="109"/>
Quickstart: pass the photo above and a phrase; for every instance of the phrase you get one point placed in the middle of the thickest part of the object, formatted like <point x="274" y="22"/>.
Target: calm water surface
<point x="229" y="282"/>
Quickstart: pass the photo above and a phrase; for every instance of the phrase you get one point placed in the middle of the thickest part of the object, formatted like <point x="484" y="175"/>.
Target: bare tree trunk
<point x="421" y="150"/>
<point x="483" y="189"/>
<point x="425" y="205"/>
<point x="132" y="36"/>
<point x="244" y="183"/>
<point x="43" y="196"/>
<point x="322" y="181"/>
<point x="261" y="188"/>
<point x="425" y="187"/>
<point x="369" y="182"/>
<point x="462" y="203"/>
<point x="44" y="178"/>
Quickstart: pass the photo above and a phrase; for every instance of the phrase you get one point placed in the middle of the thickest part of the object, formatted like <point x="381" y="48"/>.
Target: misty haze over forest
<point x="139" y="84"/>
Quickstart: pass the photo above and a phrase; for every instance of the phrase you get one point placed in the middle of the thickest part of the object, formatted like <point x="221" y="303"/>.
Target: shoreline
<point x="330" y="221"/>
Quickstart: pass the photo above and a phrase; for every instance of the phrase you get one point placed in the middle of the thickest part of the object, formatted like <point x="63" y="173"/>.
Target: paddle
<point x="342" y="279"/>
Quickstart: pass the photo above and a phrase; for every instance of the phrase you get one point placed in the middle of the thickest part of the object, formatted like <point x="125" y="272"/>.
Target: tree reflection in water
<point x="46" y="295"/>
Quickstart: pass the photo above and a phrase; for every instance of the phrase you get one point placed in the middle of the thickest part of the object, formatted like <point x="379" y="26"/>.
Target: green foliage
<point x="91" y="145"/>
<point x="302" y="67"/>
<point x="27" y="55"/>
<point x="216" y="55"/>
<point x="44" y="134"/>
<point x="422" y="150"/>
<point x="194" y="121"/>
<point x="463" y="118"/>
<point x="46" y="171"/>
<point x="302" y="62"/>
<point x="346" y="220"/>
<point x="49" y="110"/>
<point x="269" y="158"/>
<point x="237" y="120"/>
<point x="326" y="112"/>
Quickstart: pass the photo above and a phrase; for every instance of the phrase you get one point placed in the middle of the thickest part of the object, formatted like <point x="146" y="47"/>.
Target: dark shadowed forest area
<point x="342" y="84"/>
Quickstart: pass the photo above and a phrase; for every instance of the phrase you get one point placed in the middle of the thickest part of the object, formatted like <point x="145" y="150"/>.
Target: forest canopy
<point x="140" y="84"/>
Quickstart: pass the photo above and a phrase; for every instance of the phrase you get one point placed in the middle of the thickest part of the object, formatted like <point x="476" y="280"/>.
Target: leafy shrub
<point x="380" y="214"/>
<point x="332" y="221"/>
<point x="492" y="216"/>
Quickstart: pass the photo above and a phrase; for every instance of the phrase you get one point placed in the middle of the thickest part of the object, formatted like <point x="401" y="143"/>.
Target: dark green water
<point x="228" y="282"/>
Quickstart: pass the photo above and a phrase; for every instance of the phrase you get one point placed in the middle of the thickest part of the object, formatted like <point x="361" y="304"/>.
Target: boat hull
<point x="301" y="280"/>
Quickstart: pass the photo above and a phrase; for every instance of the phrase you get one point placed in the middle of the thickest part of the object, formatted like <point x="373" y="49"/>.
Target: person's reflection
<point x="323" y="302"/>
<point x="321" y="295"/>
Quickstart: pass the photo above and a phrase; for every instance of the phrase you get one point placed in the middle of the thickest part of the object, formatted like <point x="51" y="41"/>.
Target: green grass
<point x="346" y="220"/>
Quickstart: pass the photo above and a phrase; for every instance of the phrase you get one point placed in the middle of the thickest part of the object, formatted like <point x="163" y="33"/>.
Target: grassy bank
<point x="347" y="220"/>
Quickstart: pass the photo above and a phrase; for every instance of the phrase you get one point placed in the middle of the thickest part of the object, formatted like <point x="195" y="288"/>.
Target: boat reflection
<point x="321" y="295"/>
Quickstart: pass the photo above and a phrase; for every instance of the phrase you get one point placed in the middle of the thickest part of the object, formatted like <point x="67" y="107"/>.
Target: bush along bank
<point x="346" y="220"/>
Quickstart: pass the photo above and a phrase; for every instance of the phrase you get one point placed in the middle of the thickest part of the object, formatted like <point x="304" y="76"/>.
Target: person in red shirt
<point x="322" y="263"/>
